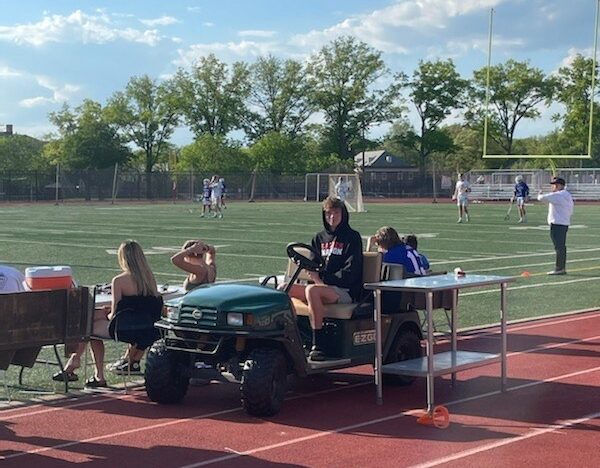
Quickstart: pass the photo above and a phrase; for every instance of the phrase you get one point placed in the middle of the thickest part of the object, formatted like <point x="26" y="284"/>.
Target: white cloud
<point x="194" y="9"/>
<point x="380" y="27"/>
<point x="59" y="92"/>
<point x="35" y="102"/>
<point x="162" y="21"/>
<point x="256" y="33"/>
<point x="78" y="26"/>
<point x="208" y="24"/>
<point x="7" y="72"/>
<point x="176" y="40"/>
<point x="225" y="51"/>
<point x="458" y="47"/>
<point x="568" y="60"/>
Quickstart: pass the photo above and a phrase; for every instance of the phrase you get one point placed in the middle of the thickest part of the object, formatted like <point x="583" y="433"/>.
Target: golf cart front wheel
<point x="166" y="374"/>
<point x="264" y="381"/>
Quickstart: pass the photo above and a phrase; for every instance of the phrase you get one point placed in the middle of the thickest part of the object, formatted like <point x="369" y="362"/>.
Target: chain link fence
<point x="130" y="184"/>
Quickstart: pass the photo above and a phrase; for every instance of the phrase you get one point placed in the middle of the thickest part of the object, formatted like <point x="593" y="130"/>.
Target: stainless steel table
<point x="166" y="291"/>
<point x="441" y="363"/>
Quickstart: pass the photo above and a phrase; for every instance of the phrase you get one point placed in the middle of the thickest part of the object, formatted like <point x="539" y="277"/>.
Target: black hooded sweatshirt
<point x="342" y="251"/>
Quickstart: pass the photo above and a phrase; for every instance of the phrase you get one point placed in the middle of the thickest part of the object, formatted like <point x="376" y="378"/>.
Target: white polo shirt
<point x="11" y="280"/>
<point x="560" y="207"/>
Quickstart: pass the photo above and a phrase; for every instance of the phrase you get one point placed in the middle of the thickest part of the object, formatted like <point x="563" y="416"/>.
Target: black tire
<point x="407" y="345"/>
<point x="167" y="374"/>
<point x="264" y="381"/>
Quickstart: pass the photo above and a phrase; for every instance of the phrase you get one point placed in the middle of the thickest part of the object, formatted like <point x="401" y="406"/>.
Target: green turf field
<point x="251" y="241"/>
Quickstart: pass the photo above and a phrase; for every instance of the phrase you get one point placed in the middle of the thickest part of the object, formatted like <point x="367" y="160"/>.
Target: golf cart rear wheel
<point x="407" y="345"/>
<point x="166" y="374"/>
<point x="264" y="382"/>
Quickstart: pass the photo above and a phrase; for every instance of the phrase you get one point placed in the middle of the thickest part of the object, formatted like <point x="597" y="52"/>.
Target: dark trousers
<point x="558" y="234"/>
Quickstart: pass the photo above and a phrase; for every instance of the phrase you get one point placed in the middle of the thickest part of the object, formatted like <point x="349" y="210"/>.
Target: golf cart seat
<point x="371" y="274"/>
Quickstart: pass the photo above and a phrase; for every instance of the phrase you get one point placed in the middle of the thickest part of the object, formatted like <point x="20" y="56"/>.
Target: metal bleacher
<point x="584" y="184"/>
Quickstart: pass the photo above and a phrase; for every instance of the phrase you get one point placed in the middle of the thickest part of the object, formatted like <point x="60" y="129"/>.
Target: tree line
<point x="287" y="116"/>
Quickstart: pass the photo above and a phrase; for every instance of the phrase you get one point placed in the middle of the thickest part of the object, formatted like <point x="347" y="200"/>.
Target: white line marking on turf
<point x="545" y="227"/>
<point x="527" y="265"/>
<point x="537" y="285"/>
<point x="500" y="443"/>
<point x="375" y="421"/>
<point x="510" y="257"/>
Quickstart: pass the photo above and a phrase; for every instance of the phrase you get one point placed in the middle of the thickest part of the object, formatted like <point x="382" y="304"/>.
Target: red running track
<point x="550" y="416"/>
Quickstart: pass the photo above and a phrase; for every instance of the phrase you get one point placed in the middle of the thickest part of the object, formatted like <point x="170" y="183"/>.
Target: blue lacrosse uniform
<point x="406" y="256"/>
<point x="206" y="192"/>
<point x="424" y="261"/>
<point x="521" y="190"/>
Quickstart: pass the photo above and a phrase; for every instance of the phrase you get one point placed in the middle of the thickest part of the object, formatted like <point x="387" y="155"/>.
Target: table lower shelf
<point x="443" y="363"/>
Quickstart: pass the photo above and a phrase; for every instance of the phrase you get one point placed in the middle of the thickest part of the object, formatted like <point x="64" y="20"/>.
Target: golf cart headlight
<point x="235" y="319"/>
<point x="172" y="313"/>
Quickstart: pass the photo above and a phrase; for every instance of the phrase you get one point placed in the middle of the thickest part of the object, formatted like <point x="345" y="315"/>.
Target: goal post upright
<point x="550" y="157"/>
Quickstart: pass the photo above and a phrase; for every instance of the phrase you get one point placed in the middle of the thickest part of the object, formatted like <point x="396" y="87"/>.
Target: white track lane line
<point x="292" y="441"/>
<point x="374" y="421"/>
<point x="102" y="399"/>
<point x="171" y="423"/>
<point x="500" y="443"/>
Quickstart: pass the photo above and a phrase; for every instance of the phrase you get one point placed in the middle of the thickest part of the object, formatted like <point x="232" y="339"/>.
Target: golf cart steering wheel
<point x="297" y="253"/>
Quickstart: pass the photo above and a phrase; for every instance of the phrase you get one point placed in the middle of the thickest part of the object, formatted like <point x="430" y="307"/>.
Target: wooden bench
<point x="33" y="319"/>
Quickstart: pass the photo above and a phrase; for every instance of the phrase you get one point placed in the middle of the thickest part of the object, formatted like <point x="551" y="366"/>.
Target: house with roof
<point x="381" y="165"/>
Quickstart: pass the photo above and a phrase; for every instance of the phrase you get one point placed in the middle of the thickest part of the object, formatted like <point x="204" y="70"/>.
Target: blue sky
<point x="67" y="50"/>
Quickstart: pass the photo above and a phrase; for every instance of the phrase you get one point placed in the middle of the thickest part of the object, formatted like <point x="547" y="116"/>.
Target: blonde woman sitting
<point x="136" y="305"/>
<point x="198" y="260"/>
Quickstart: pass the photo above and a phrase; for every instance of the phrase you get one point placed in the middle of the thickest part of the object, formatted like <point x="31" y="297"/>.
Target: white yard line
<point x="528" y="286"/>
<point x="527" y="265"/>
<point x="510" y="257"/>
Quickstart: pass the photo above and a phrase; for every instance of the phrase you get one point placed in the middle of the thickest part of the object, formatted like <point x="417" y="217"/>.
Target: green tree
<point x="280" y="95"/>
<point x="574" y="92"/>
<point x="146" y="113"/>
<point x="279" y="154"/>
<point x="515" y="92"/>
<point x="436" y="90"/>
<point x="21" y="153"/>
<point x="87" y="142"/>
<point x="213" y="154"/>
<point x="213" y="97"/>
<point x="342" y="78"/>
<point x="467" y="149"/>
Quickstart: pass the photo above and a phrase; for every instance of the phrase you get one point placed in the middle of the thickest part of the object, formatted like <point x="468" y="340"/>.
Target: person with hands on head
<point x="198" y="260"/>
<point x="340" y="280"/>
<point x="560" y="210"/>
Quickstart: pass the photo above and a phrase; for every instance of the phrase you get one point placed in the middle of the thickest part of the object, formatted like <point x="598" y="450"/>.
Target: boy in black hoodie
<point x="341" y="279"/>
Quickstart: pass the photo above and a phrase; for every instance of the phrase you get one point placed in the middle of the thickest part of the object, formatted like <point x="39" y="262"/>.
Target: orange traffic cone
<point x="440" y="418"/>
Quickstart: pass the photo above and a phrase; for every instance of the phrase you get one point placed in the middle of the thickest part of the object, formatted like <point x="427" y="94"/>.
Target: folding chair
<point x="394" y="271"/>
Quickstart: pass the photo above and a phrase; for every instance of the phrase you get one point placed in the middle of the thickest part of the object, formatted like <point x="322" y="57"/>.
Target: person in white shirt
<point x="216" y="192"/>
<point x="560" y="209"/>
<point x="11" y="280"/>
<point x="461" y="195"/>
<point x="341" y="189"/>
